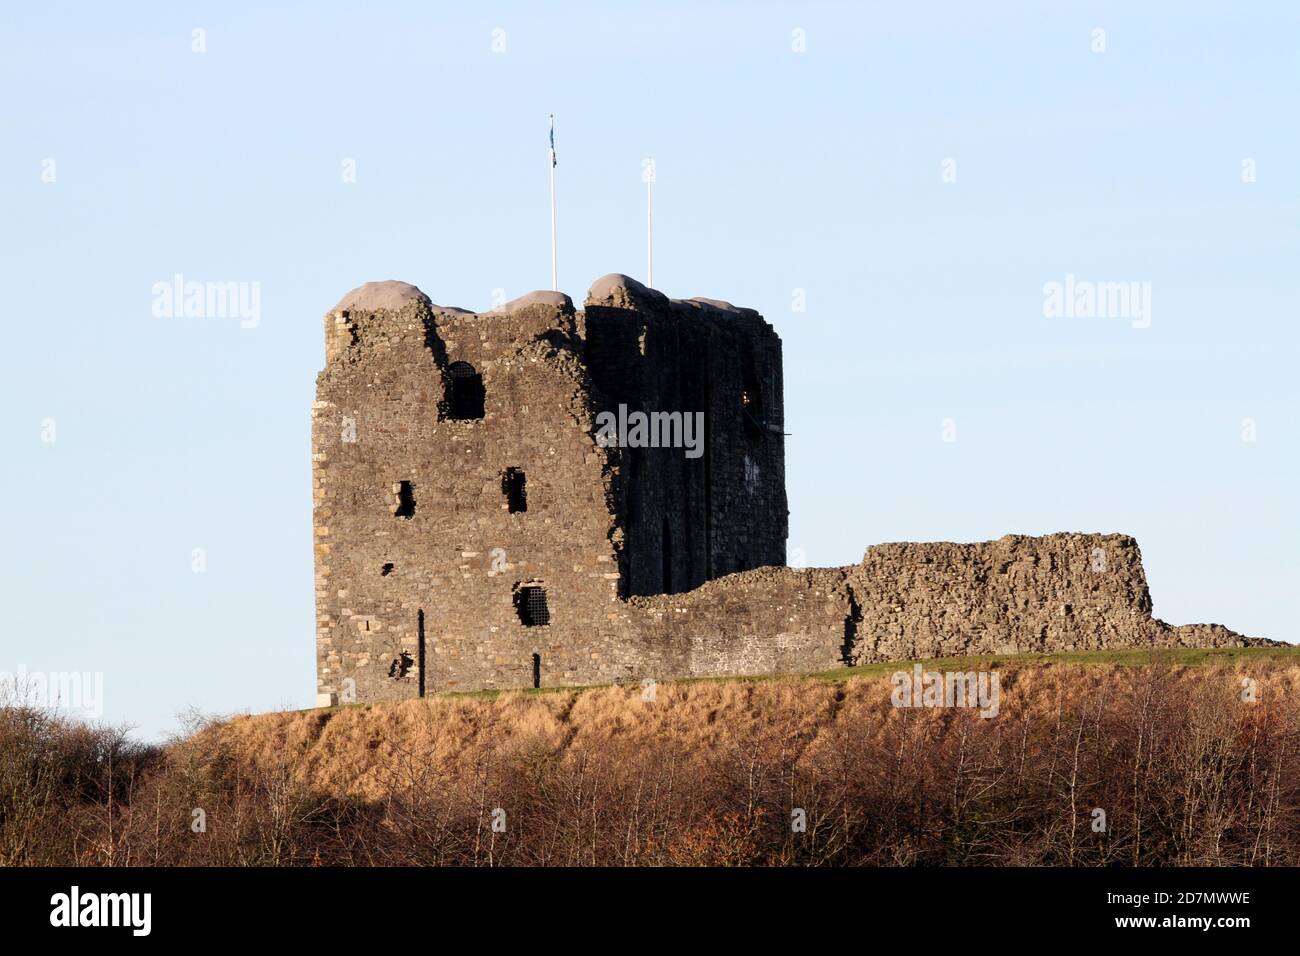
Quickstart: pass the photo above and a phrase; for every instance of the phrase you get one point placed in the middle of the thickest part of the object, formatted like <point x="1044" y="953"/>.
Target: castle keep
<point x="479" y="523"/>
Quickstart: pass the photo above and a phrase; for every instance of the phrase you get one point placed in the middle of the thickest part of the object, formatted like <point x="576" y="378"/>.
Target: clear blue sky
<point x="777" y="171"/>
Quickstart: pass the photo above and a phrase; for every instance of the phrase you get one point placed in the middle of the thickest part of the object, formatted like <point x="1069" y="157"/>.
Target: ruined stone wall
<point x="1059" y="592"/>
<point x="456" y="463"/>
<point x="767" y="620"/>
<point x="1018" y="594"/>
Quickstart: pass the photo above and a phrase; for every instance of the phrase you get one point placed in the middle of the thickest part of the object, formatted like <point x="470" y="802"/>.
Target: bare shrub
<point x="1084" y="766"/>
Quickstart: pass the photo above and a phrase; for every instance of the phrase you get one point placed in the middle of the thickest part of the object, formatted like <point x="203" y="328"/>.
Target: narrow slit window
<point x="537" y="670"/>
<point x="405" y="494"/>
<point x="514" y="486"/>
<point x="666" y="543"/>
<point x="530" y="602"/>
<point x="419" y="636"/>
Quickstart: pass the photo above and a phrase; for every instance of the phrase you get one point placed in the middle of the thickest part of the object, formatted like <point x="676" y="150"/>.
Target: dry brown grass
<point x="710" y="773"/>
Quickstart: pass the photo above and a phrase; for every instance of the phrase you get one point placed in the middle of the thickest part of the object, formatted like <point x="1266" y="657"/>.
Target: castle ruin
<point x="539" y="496"/>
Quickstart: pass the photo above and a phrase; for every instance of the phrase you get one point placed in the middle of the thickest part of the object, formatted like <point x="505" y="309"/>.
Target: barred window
<point x="530" y="602"/>
<point x="465" y="393"/>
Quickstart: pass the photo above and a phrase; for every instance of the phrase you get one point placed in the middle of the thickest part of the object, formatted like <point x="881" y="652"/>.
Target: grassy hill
<point x="1191" y="757"/>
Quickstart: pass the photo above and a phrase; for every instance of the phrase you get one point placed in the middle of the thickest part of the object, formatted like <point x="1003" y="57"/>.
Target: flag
<point x="553" y="163"/>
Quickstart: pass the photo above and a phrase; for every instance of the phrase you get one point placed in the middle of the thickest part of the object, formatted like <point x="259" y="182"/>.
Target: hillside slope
<point x="724" y="771"/>
<point x="1181" y="756"/>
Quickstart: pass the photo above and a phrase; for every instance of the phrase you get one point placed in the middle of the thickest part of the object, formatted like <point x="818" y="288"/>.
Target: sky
<point x="896" y="187"/>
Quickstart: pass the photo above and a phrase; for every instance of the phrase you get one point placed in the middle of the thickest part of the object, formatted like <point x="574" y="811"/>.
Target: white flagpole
<point x="648" y="174"/>
<point x="555" y="282"/>
<point x="650" y="232"/>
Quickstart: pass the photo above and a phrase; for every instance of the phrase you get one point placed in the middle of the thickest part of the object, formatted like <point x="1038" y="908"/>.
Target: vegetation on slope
<point x="797" y="770"/>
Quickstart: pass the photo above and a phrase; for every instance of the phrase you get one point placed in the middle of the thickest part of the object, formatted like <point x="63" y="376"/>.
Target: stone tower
<point x="486" y="511"/>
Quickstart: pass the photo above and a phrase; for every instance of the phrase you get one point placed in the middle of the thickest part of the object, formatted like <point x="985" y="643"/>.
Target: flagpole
<point x="650" y="232"/>
<point x="648" y="174"/>
<point x="555" y="282"/>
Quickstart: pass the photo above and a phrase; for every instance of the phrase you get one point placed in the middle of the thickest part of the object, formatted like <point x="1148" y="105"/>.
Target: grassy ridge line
<point x="1122" y="657"/>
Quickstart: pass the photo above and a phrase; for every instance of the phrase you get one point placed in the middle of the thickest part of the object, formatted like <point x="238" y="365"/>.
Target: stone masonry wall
<point x="425" y="543"/>
<point x="689" y="520"/>
<point x="1059" y="592"/>
<point x="427" y="601"/>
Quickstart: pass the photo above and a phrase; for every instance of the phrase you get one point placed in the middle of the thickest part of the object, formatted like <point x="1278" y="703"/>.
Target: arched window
<point x="464" y="392"/>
